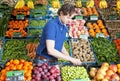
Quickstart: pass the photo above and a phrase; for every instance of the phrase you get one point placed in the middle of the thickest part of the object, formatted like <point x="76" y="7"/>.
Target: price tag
<point x="1" y="15"/>
<point x="17" y="34"/>
<point x="15" y="76"/>
<point x="100" y="35"/>
<point x="80" y="80"/>
<point x="20" y="16"/>
<point x="112" y="17"/>
<point x="79" y="17"/>
<point x="84" y="36"/>
<point x="93" y="17"/>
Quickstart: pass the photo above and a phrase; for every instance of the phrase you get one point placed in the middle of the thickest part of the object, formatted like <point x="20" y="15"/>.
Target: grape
<point x="73" y="72"/>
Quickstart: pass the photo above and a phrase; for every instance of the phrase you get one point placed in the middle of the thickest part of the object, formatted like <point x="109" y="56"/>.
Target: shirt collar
<point x="59" y="21"/>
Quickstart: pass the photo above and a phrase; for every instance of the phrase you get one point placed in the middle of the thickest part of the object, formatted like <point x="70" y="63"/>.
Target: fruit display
<point x="103" y="4"/>
<point x="37" y="23"/>
<point x="11" y="33"/>
<point x="90" y="3"/>
<point x="18" y="24"/>
<point x="30" y="4"/>
<point x="43" y="2"/>
<point x="78" y="3"/>
<point x="77" y="28"/>
<point x="20" y="4"/>
<point x="90" y="11"/>
<point x="55" y="3"/>
<point x="105" y="50"/>
<point x="17" y="65"/>
<point x="15" y="49"/>
<point x="24" y="10"/>
<point x="44" y="71"/>
<point x="106" y="72"/>
<point x="37" y="32"/>
<point x="96" y="28"/>
<point x="81" y="49"/>
<point x="74" y="72"/>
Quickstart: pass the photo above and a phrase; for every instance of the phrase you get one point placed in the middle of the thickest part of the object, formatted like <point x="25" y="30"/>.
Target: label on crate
<point x="1" y="15"/>
<point x="93" y="17"/>
<point x="79" y="17"/>
<point x="15" y="76"/>
<point x="84" y="36"/>
<point x="100" y="35"/>
<point x="17" y="34"/>
<point x="20" y="16"/>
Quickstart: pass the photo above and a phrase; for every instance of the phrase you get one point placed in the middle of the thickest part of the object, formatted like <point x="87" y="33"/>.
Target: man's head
<point x="66" y="12"/>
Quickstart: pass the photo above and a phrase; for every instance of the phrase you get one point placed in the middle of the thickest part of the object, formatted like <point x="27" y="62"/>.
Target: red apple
<point x="104" y="79"/>
<point x="104" y="68"/>
<point x="115" y="77"/>
<point x="109" y="72"/>
<point x="105" y="64"/>
<point x="113" y="67"/>
<point x="107" y="77"/>
<point x="100" y="71"/>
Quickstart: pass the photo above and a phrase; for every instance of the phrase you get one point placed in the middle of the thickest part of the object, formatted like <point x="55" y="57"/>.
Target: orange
<point x="11" y="61"/>
<point x="96" y="27"/>
<point x="118" y="71"/>
<point x="8" y="63"/>
<point x="102" y="27"/>
<point x="91" y="30"/>
<point x="7" y="68"/>
<point x="30" y="67"/>
<point x="16" y="61"/>
<point x="104" y="30"/>
<point x="99" y="21"/>
<point x="118" y="66"/>
<point x="19" y="67"/>
<point x="26" y="63"/>
<point x="93" y="34"/>
<point x="97" y="30"/>
<point x="106" y="34"/>
<point x="29" y="78"/>
<point x="94" y="24"/>
<point x="22" y="61"/>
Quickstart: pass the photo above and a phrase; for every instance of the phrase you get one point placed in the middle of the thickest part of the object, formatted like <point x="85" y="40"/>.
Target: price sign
<point x="100" y="35"/>
<point x="1" y="15"/>
<point x="84" y="36"/>
<point x="15" y="76"/>
<point x="20" y="16"/>
<point x="112" y="17"/>
<point x="80" y="80"/>
<point x="17" y="34"/>
<point x="79" y="17"/>
<point x="93" y="17"/>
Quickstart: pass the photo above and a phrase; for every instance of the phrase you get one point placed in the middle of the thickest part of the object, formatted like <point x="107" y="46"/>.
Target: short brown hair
<point x="67" y="9"/>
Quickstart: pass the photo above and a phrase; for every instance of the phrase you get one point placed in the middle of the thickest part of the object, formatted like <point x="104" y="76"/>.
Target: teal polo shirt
<point x="53" y="30"/>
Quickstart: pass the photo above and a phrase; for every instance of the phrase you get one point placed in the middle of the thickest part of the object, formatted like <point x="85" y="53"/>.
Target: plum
<point x="33" y="80"/>
<point x="59" y="78"/>
<point x="42" y="73"/>
<point x="52" y="80"/>
<point x="33" y="76"/>
<point x="51" y="77"/>
<point x="48" y="74"/>
<point x="40" y="69"/>
<point x="46" y="64"/>
<point x="43" y="67"/>
<point x="45" y="70"/>
<point x="39" y="64"/>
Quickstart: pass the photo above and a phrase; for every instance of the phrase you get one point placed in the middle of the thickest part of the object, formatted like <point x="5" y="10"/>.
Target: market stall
<point x="93" y="37"/>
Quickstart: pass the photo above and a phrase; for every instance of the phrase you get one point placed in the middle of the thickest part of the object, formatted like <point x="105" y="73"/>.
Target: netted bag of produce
<point x="69" y="1"/>
<point x="10" y="3"/>
<point x="44" y="2"/>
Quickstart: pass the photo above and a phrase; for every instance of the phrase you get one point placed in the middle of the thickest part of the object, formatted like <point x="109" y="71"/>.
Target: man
<point x="53" y="36"/>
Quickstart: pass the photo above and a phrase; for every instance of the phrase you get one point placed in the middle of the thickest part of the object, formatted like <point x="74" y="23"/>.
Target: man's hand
<point x="76" y="61"/>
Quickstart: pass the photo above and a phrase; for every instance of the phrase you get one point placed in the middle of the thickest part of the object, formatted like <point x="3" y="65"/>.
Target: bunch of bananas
<point x="30" y="4"/>
<point x="19" y="4"/>
<point x="103" y="4"/>
<point x="90" y="4"/>
<point x="78" y="3"/>
<point x="118" y="4"/>
<point x="55" y="4"/>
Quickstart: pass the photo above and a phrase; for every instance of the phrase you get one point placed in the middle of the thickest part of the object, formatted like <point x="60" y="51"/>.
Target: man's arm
<point x="64" y="51"/>
<point x="52" y="51"/>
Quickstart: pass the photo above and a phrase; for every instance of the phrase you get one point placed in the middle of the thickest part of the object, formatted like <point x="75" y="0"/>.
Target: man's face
<point x="66" y="18"/>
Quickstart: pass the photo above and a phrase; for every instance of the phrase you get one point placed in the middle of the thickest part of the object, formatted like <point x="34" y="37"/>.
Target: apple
<point x="113" y="67"/>
<point x="107" y="77"/>
<point x="115" y="77"/>
<point x="105" y="64"/>
<point x="99" y="77"/>
<point x="104" y="80"/>
<point x="104" y="68"/>
<point x="100" y="71"/>
<point x="92" y="73"/>
<point x="93" y="69"/>
<point x="109" y="72"/>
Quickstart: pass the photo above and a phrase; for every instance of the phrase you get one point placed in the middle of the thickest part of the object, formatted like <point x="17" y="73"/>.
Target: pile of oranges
<point x="95" y="28"/>
<point x="17" y="65"/>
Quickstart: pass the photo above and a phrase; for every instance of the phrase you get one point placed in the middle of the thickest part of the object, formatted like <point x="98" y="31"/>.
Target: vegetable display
<point x="39" y="7"/>
<point x="105" y="50"/>
<point x="37" y="23"/>
<point x="81" y="49"/>
<point x="15" y="49"/>
<point x="73" y="72"/>
<point x="35" y="32"/>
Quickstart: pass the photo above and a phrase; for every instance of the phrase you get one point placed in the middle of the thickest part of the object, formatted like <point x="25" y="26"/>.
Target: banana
<point x="19" y="4"/>
<point x="78" y="3"/>
<point x="103" y="4"/>
<point x="118" y="4"/>
<point x="90" y="4"/>
<point x="55" y="4"/>
<point x="30" y="4"/>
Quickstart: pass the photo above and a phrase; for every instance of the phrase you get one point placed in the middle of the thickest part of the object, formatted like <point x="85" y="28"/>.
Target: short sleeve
<point x="50" y="30"/>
